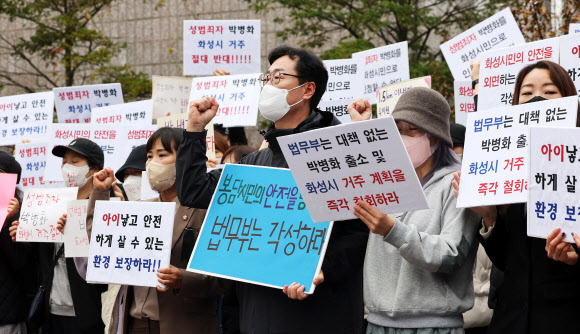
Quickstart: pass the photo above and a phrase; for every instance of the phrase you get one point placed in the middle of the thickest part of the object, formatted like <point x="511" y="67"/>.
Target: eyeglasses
<point x="274" y="78"/>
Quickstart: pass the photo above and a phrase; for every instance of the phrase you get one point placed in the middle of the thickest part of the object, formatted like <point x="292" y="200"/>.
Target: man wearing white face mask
<point x="292" y="88"/>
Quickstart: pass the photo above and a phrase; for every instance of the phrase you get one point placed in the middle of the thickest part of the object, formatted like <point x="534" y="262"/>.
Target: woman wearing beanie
<point x="418" y="265"/>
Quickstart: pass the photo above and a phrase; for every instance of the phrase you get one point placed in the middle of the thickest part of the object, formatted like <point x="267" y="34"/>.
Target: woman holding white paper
<point x="538" y="294"/>
<point x="418" y="265"/>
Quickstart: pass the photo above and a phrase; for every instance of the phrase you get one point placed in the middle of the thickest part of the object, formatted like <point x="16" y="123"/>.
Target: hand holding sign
<point x="201" y="112"/>
<point x="13" y="208"/>
<point x="559" y="250"/>
<point x="171" y="277"/>
<point x="104" y="179"/>
<point x="488" y="212"/>
<point x="378" y="222"/>
<point x="296" y="291"/>
<point x="13" y="230"/>
<point x="360" y="110"/>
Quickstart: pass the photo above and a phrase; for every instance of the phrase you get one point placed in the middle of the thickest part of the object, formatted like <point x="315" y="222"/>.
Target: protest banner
<point x="41" y="209"/>
<point x="498" y="31"/>
<point x="180" y="121"/>
<point x="170" y="95"/>
<point x="574" y="28"/>
<point x="25" y="116"/>
<point x="131" y="113"/>
<point x="383" y="66"/>
<point x="554" y="164"/>
<point x="335" y="167"/>
<point x="496" y="155"/>
<point x="570" y="57"/>
<point x="499" y="69"/>
<point x="464" y="100"/>
<point x="32" y="159"/>
<point x="7" y="192"/>
<point x="345" y="79"/>
<point x="232" y="45"/>
<point x="338" y="108"/>
<point x="237" y="96"/>
<point x="258" y="230"/>
<point x="146" y="191"/>
<point x="130" y="242"/>
<point x="74" y="104"/>
<point x="388" y="96"/>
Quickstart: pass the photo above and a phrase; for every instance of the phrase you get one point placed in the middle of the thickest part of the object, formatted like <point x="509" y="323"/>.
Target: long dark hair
<point x="442" y="157"/>
<point x="558" y="75"/>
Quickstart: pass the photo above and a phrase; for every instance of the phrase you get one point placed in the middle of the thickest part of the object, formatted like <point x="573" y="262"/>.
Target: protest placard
<point x="74" y="104"/>
<point x="388" y="96"/>
<point x="130" y="242"/>
<point x="464" y="100"/>
<point x="499" y="69"/>
<point x="554" y="166"/>
<point x="383" y="66"/>
<point x="146" y="191"/>
<point x="237" y="96"/>
<point x="233" y="45"/>
<point x="496" y="155"/>
<point x="345" y="79"/>
<point x="570" y="57"/>
<point x="335" y="167"/>
<point x="180" y="121"/>
<point x="32" y="159"/>
<point x="131" y="113"/>
<point x="338" y="108"/>
<point x="8" y="182"/>
<point x="574" y="28"/>
<point x="258" y="230"/>
<point x="170" y="95"/>
<point x="41" y="209"/>
<point x="25" y="116"/>
<point x="498" y="31"/>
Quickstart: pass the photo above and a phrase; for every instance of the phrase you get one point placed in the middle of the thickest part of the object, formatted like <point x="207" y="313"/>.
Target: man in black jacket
<point x="292" y="89"/>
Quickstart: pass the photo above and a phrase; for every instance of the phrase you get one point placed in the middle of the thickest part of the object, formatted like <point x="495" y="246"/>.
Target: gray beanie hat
<point x="426" y="109"/>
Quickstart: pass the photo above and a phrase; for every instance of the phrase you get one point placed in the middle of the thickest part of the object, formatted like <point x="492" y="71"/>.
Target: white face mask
<point x="132" y="186"/>
<point x="273" y="104"/>
<point x="161" y="177"/>
<point x="74" y="176"/>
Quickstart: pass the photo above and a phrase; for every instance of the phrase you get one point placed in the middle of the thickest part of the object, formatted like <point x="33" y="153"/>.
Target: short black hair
<point x="309" y="67"/>
<point x="170" y="138"/>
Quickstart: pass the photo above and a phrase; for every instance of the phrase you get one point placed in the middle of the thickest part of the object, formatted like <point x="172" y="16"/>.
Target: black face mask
<point x="536" y="99"/>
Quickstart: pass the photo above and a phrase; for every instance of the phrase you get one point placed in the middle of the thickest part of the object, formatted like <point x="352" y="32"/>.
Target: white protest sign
<point x="146" y="191"/>
<point x="496" y="155"/>
<point x="345" y="79"/>
<point x="25" y="116"/>
<point x="464" y="102"/>
<point x="170" y="95"/>
<point x="130" y="242"/>
<point x="554" y="167"/>
<point x="32" y="159"/>
<point x="499" y="69"/>
<point x="388" y="96"/>
<point x="335" y="167"/>
<point x="233" y="45"/>
<point x="74" y="104"/>
<point x="570" y="57"/>
<point x="338" y="108"/>
<point x="574" y="28"/>
<point x="499" y="31"/>
<point x="40" y="212"/>
<point x="237" y="96"/>
<point x="180" y="121"/>
<point x="383" y="66"/>
<point x="131" y="113"/>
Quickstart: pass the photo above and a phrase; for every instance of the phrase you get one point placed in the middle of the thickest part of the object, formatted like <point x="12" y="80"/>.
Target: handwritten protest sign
<point x="237" y="96"/>
<point x="180" y="121"/>
<point x="345" y="77"/>
<point x="388" y="96"/>
<point x="32" y="159"/>
<point x="554" y="167"/>
<point x="574" y="28"/>
<point x="499" y="69"/>
<point x="496" y="156"/>
<point x="130" y="242"/>
<point x="498" y="31"/>
<point x="146" y="191"/>
<point x="570" y="57"/>
<point x="25" y="116"/>
<point x="338" y="108"/>
<point x="131" y="113"/>
<point x="464" y="102"/>
<point x="258" y="230"/>
<point x="335" y="167"/>
<point x="170" y="95"/>
<point x="41" y="209"/>
<point x="74" y="104"/>
<point x="231" y="45"/>
<point x="383" y="66"/>
<point x="8" y="182"/>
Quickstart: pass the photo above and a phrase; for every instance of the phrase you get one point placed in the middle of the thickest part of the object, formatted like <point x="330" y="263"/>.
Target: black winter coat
<point x="337" y="304"/>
